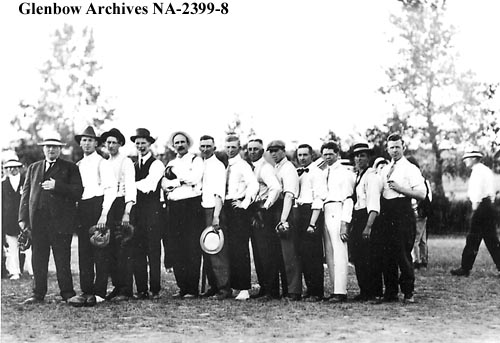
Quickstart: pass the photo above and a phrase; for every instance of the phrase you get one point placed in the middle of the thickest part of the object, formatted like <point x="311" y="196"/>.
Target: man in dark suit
<point x="47" y="210"/>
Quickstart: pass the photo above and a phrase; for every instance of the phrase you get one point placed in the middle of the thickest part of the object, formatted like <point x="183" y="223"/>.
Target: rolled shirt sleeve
<point x="150" y="182"/>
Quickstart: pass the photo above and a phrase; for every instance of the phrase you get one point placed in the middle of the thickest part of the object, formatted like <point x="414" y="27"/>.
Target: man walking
<point x="482" y="222"/>
<point x="48" y="209"/>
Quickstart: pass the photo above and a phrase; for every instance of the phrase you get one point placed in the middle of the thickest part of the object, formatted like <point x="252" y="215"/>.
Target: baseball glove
<point x="24" y="240"/>
<point x="99" y="237"/>
<point x="283" y="229"/>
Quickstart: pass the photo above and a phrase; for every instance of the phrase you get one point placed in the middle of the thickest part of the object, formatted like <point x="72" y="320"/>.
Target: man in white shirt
<point x="119" y="250"/>
<point x="213" y="191"/>
<point x="147" y="235"/>
<point x="99" y="192"/>
<point x="366" y="197"/>
<point x="308" y="222"/>
<point x="338" y="211"/>
<point x="402" y="182"/>
<point x="481" y="193"/>
<point x="288" y="235"/>
<point x="241" y="190"/>
<point x="182" y="183"/>
<point x="265" y="241"/>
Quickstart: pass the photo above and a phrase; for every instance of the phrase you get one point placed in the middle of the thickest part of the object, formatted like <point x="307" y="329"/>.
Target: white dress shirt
<point x="368" y="191"/>
<point x="241" y="182"/>
<point x="189" y="171"/>
<point x="213" y="181"/>
<point x="14" y="181"/>
<point x="340" y="181"/>
<point x="98" y="179"/>
<point x="150" y="182"/>
<point x="481" y="184"/>
<point x="405" y="174"/>
<point x="312" y="187"/>
<point x="269" y="186"/>
<point x="288" y="177"/>
<point x="124" y="172"/>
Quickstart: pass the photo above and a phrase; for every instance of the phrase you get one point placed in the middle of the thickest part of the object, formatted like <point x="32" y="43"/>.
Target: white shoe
<point x="14" y="277"/>
<point x="98" y="299"/>
<point x="243" y="295"/>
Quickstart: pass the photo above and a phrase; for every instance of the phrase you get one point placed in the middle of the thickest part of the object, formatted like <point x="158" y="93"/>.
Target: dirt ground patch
<point x="448" y="309"/>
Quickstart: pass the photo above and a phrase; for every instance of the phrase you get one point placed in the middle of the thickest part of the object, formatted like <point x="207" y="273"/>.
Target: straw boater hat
<point x="379" y="160"/>
<point x="12" y="163"/>
<point x="113" y="133"/>
<point x="472" y="153"/>
<point x="360" y="147"/>
<point x="52" y="141"/>
<point x="89" y="132"/>
<point x="211" y="240"/>
<point x="143" y="133"/>
<point x="188" y="138"/>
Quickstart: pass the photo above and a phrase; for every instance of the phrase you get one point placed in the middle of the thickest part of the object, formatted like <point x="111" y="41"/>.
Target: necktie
<point x="49" y="165"/>
<point x="140" y="163"/>
<point x="391" y="171"/>
<point x="301" y="171"/>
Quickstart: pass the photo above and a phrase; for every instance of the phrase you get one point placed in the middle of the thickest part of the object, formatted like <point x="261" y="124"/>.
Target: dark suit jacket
<point x="61" y="201"/>
<point x="10" y="206"/>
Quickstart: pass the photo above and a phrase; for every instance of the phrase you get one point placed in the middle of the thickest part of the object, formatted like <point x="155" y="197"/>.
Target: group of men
<point x="295" y="219"/>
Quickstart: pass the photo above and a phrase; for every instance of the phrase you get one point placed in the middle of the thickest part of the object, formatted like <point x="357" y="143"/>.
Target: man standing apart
<point x="366" y="197"/>
<point x="147" y="236"/>
<point x="48" y="209"/>
<point x="308" y="222"/>
<point x="265" y="241"/>
<point x="99" y="192"/>
<point x="212" y="198"/>
<point x="288" y="235"/>
<point x="119" y="251"/>
<point x="338" y="212"/>
<point x="402" y="181"/>
<point x="482" y="223"/>
<point x="182" y="182"/>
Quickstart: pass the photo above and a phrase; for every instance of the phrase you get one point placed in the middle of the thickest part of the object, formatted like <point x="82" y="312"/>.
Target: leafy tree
<point x="440" y="105"/>
<point x="70" y="96"/>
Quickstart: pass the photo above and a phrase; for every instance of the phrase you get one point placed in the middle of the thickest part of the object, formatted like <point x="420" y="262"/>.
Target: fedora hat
<point x="473" y="153"/>
<point x="99" y="237"/>
<point x="52" y="141"/>
<point x="113" y="133"/>
<point x="142" y="133"/>
<point x="12" y="163"/>
<point x="188" y="138"/>
<point x="89" y="132"/>
<point x="360" y="147"/>
<point x="211" y="240"/>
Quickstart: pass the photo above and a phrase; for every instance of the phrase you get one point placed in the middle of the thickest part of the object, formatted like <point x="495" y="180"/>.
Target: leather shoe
<point x="360" y="297"/>
<point x="120" y="298"/>
<point x="155" y="296"/>
<point x="460" y="272"/>
<point x="33" y="300"/>
<point x="223" y="294"/>
<point x="384" y="299"/>
<point x="112" y="294"/>
<point x="313" y="299"/>
<point x="141" y="296"/>
<point x="338" y="298"/>
<point x="77" y="301"/>
<point x="409" y="299"/>
<point x="178" y="295"/>
<point x="293" y="297"/>
<point x="189" y="296"/>
<point x="211" y="292"/>
<point x="90" y="300"/>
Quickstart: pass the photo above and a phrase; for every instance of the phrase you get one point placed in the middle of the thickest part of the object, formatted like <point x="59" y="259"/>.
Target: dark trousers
<point x="166" y="236"/>
<point x="482" y="227"/>
<point x="310" y="247"/>
<point x="117" y="254"/>
<point x="44" y="238"/>
<point x="290" y="265"/>
<point x="216" y="266"/>
<point x="398" y="232"/>
<point x="147" y="247"/>
<point x="185" y="225"/>
<point x="361" y="255"/>
<point x="266" y="249"/>
<point x="237" y="224"/>
<point x="89" y="256"/>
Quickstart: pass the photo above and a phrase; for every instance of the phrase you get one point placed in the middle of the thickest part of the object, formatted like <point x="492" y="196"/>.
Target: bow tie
<point x="301" y="171"/>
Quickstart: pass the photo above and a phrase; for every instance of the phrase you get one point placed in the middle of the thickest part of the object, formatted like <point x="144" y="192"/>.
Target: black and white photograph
<point x="250" y="171"/>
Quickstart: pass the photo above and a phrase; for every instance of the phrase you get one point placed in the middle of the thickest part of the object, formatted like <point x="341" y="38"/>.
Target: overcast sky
<point x="291" y="69"/>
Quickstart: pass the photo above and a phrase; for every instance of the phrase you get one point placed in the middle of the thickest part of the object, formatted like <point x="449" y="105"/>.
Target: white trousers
<point x="12" y="257"/>
<point x="335" y="249"/>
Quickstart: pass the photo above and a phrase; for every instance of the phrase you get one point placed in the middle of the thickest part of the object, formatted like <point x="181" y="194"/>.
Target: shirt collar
<point x="234" y="160"/>
<point x="145" y="157"/>
<point x="282" y="162"/>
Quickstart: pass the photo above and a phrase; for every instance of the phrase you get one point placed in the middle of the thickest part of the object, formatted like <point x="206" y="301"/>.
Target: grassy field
<point x="448" y="309"/>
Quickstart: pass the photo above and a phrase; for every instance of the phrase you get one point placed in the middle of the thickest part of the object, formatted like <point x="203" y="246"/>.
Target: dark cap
<point x="276" y="144"/>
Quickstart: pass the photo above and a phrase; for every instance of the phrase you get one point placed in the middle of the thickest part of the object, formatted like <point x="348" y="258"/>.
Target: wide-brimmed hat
<point x="361" y="147"/>
<point x="211" y="240"/>
<point x="188" y="138"/>
<point x="52" y="141"/>
<point x="276" y="144"/>
<point x="12" y="163"/>
<point x="89" y="132"/>
<point x="472" y="153"/>
<point x="379" y="160"/>
<point x="113" y="133"/>
<point x="142" y="133"/>
<point x="99" y="237"/>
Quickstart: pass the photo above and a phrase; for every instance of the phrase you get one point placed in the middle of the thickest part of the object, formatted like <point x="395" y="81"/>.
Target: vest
<point x="146" y="199"/>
